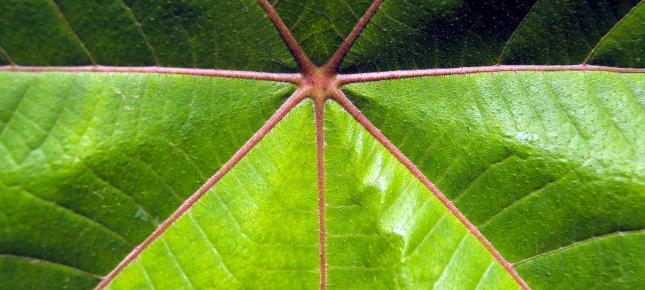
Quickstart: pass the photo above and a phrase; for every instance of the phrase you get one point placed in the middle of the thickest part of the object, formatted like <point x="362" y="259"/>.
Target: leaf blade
<point x="82" y="156"/>
<point x="383" y="223"/>
<point x="496" y="145"/>
<point x="265" y="227"/>
<point x="224" y="35"/>
<point x="418" y="35"/>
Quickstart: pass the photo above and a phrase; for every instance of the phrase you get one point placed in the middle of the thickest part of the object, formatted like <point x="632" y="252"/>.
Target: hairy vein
<point x="358" y="116"/>
<point x="280" y="77"/>
<point x="295" y="98"/>
<point x="319" y="107"/>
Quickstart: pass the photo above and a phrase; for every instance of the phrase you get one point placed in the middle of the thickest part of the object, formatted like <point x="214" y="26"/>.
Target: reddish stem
<point x="295" y="98"/>
<point x="387" y="75"/>
<point x="356" y="113"/>
<point x="281" y="77"/>
<point x="316" y="81"/>
<point x="305" y="64"/>
<point x="319" y="108"/>
<point x="334" y="61"/>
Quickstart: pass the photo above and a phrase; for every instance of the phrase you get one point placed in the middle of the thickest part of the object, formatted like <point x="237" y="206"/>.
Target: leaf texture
<point x="320" y="26"/>
<point x="261" y="221"/>
<point x="206" y="34"/>
<point x="624" y="44"/>
<point x="548" y="165"/>
<point x="539" y="161"/>
<point x="91" y="163"/>
<point x="426" y="34"/>
<point x="257" y="228"/>
<point x="383" y="224"/>
<point x="402" y="35"/>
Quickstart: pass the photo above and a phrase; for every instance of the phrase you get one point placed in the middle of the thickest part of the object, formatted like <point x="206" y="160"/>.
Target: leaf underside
<point x="549" y="166"/>
<point x="261" y="217"/>
<point x="84" y="159"/>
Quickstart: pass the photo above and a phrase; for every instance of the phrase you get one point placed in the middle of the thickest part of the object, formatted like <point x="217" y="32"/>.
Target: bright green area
<point x="385" y="229"/>
<point x="205" y="34"/>
<point x="257" y="228"/>
<point x="426" y="34"/>
<point x="538" y="161"/>
<point x="91" y="163"/>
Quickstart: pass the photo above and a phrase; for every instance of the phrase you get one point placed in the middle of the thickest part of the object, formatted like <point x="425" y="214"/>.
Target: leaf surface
<point x="206" y="34"/>
<point x="402" y="35"/>
<point x="546" y="164"/>
<point x="260" y="218"/>
<point x="263" y="218"/>
<point x="383" y="224"/>
<point x="91" y="163"/>
<point x="320" y="26"/>
<point x="426" y="34"/>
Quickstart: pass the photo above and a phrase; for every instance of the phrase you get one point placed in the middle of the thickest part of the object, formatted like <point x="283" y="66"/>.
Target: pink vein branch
<point x="295" y="98"/>
<point x="319" y="107"/>
<point x="355" y="112"/>
<point x="299" y="55"/>
<point x="334" y="61"/>
<point x="378" y="76"/>
<point x="280" y="77"/>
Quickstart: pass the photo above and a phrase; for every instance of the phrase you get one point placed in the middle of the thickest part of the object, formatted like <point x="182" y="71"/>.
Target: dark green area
<point x="625" y="44"/>
<point x="33" y="33"/>
<point x="402" y="35"/>
<point x="204" y="34"/>
<point x="565" y="32"/>
<point x="26" y="273"/>
<point x="429" y="34"/>
<point x="320" y="26"/>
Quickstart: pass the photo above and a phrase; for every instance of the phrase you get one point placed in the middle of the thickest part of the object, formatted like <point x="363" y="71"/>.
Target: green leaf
<point x="402" y="35"/>
<point x="545" y="164"/>
<point x="624" y="45"/>
<point x="320" y="26"/>
<point x="27" y="273"/>
<point x="424" y="34"/>
<point x="105" y="132"/>
<point x="91" y="163"/>
<point x="260" y="218"/>
<point x="226" y="34"/>
<point x="263" y="218"/>
<point x="383" y="223"/>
